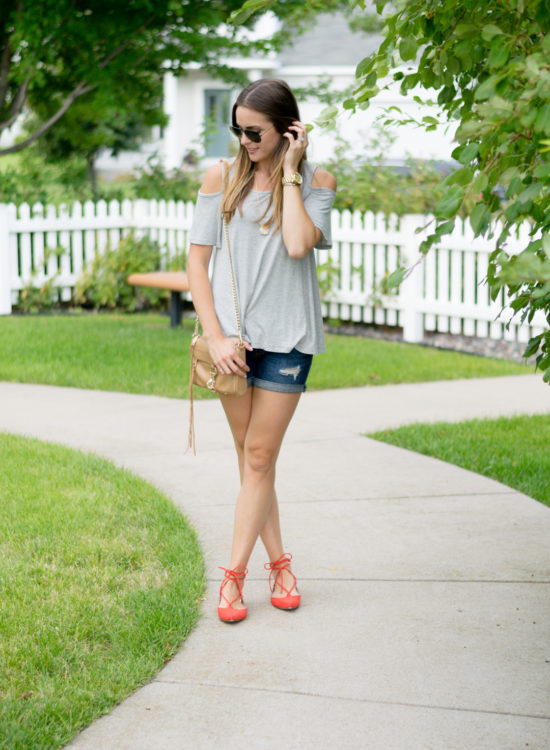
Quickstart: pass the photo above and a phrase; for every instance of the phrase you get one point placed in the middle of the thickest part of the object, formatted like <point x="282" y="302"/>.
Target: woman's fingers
<point x="297" y="144"/>
<point x="301" y="132"/>
<point x="227" y="358"/>
<point x="235" y="365"/>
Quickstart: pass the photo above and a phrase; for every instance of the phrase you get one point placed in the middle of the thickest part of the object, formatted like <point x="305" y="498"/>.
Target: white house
<point x="328" y="50"/>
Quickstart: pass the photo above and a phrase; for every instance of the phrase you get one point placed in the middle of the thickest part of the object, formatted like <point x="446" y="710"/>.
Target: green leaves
<point x="487" y="88"/>
<point x="533" y="346"/>
<point x="542" y="121"/>
<point x="394" y="280"/>
<point x="480" y="183"/>
<point x="487" y="64"/>
<point x="530" y="192"/>
<point x="499" y="54"/>
<point x="408" y="48"/>
<point x="489" y="31"/>
<point x="327" y="117"/>
<point x="450" y="203"/>
<point x="247" y="10"/>
<point x="430" y="123"/>
<point x="462" y="176"/>
<point x="466" y="30"/>
<point x="441" y="229"/>
<point x="526" y="267"/>
<point x="480" y="218"/>
<point x="365" y="66"/>
<point x="466" y="153"/>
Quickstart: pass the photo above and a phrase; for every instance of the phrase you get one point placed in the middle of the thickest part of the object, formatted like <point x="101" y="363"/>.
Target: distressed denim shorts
<point x="278" y="371"/>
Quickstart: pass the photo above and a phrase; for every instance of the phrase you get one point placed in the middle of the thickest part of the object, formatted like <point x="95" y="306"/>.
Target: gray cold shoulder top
<point x="278" y="295"/>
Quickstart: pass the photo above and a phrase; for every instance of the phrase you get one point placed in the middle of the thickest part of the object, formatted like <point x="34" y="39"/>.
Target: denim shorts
<point x="278" y="371"/>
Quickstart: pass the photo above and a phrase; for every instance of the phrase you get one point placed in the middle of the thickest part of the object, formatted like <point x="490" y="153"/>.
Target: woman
<point x="278" y="209"/>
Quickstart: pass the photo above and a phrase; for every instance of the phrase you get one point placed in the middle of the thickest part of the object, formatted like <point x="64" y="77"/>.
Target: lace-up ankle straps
<point x="280" y="564"/>
<point x="239" y="571"/>
<point x="276" y="568"/>
<point x="237" y="574"/>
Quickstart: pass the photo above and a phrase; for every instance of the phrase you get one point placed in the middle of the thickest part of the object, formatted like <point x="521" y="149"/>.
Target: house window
<point x="216" y="121"/>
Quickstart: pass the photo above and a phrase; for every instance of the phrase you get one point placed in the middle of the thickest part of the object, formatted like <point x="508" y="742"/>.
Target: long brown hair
<point x="274" y="99"/>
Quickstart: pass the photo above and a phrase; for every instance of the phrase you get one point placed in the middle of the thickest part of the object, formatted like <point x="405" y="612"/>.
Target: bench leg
<point x="176" y="309"/>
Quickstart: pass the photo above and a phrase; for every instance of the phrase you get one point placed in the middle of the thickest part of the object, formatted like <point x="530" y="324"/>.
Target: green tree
<point x="54" y="52"/>
<point x="98" y="121"/>
<point x="488" y="65"/>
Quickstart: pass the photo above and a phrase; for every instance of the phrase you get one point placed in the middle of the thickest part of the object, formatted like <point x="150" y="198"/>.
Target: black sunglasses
<point x="254" y="135"/>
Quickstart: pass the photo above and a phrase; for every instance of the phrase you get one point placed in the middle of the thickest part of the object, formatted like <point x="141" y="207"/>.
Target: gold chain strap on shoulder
<point x="233" y="285"/>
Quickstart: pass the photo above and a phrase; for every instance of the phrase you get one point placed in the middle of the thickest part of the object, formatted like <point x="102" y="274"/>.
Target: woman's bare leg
<point x="258" y="426"/>
<point x="239" y="418"/>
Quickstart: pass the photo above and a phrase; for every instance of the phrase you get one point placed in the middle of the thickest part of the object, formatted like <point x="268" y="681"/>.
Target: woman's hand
<point x="297" y="146"/>
<point x="225" y="355"/>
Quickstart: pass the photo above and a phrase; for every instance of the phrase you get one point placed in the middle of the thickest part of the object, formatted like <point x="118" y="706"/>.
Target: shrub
<point x="33" y="179"/>
<point x="104" y="285"/>
<point x="177" y="184"/>
<point x="367" y="183"/>
<point x="46" y="296"/>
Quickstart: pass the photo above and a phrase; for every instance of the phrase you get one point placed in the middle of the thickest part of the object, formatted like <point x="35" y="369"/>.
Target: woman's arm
<point x="300" y="234"/>
<point x="198" y="260"/>
<point x="221" y="348"/>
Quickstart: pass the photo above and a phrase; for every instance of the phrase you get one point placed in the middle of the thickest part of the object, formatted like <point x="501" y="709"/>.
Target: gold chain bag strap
<point x="204" y="372"/>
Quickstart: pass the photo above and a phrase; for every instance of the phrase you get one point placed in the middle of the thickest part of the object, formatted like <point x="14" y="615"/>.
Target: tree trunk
<point x="92" y="174"/>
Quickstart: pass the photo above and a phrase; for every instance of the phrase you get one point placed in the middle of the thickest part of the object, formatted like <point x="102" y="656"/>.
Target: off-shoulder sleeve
<point x="205" y="229"/>
<point x="318" y="204"/>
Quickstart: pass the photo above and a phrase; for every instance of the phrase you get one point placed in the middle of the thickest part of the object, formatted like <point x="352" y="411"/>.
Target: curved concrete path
<point x="426" y="589"/>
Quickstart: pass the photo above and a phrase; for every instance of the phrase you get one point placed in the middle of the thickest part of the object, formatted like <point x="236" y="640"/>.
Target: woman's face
<point x="249" y="119"/>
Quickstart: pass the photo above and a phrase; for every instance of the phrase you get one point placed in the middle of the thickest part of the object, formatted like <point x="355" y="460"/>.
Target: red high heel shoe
<point x="230" y="613"/>
<point x="290" y="600"/>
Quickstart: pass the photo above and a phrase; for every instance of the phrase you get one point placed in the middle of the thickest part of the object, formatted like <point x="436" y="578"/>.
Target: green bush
<point x="33" y="298"/>
<point x="366" y="183"/>
<point x="103" y="285"/>
<point x="29" y="178"/>
<point x="177" y="185"/>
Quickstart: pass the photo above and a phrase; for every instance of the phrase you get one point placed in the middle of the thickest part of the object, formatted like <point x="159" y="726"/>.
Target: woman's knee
<point x="259" y="459"/>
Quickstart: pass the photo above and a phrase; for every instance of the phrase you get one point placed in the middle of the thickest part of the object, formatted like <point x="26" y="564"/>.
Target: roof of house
<point x="330" y="42"/>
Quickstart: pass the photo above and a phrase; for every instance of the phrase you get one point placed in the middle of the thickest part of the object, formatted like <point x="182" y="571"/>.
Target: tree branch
<point x="5" y="63"/>
<point x="80" y="90"/>
<point x="16" y="106"/>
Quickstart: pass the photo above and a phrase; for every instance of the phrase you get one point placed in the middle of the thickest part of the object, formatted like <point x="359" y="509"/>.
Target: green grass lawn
<point x="512" y="450"/>
<point x="101" y="581"/>
<point x="142" y="354"/>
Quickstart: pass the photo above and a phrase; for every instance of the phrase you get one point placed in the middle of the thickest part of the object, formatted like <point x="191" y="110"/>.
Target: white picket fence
<point x="445" y="292"/>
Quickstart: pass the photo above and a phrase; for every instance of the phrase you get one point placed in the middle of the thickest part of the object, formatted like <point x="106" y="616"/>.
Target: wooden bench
<point x="174" y="281"/>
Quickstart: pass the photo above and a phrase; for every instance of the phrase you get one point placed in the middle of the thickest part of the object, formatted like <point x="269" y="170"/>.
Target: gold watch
<point x="294" y="179"/>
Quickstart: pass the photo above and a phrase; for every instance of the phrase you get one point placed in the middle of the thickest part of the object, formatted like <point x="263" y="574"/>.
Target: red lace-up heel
<point x="290" y="600"/>
<point x="230" y="613"/>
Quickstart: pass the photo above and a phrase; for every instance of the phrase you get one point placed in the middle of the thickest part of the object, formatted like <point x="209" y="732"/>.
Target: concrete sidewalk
<point x="425" y="621"/>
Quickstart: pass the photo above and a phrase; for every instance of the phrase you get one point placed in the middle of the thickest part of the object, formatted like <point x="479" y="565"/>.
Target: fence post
<point x="412" y="288"/>
<point x="5" y="271"/>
